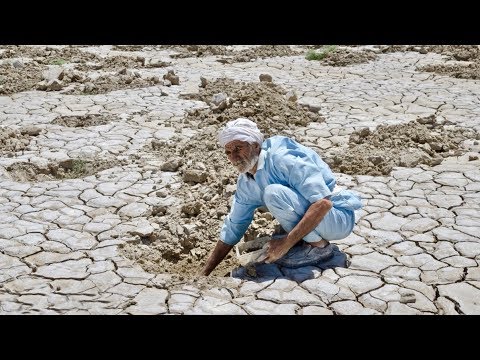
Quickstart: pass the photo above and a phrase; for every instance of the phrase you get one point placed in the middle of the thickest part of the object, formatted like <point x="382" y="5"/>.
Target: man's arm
<point x="314" y="215"/>
<point x="218" y="254"/>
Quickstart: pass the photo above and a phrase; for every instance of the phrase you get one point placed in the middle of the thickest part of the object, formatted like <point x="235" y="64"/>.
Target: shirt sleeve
<point x="302" y="174"/>
<point x="237" y="221"/>
<point x="240" y="217"/>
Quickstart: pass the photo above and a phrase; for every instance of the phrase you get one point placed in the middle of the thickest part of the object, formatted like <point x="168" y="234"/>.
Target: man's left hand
<point x="276" y="249"/>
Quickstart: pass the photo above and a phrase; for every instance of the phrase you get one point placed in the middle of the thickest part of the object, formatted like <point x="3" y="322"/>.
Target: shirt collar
<point x="261" y="159"/>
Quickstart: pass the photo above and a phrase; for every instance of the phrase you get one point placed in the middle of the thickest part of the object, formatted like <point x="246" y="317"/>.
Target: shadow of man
<point x="262" y="272"/>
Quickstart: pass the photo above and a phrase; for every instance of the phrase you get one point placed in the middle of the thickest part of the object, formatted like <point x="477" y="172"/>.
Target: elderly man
<point x="296" y="186"/>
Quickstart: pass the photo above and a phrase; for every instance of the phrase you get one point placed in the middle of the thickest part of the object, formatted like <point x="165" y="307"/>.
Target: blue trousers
<point x="288" y="206"/>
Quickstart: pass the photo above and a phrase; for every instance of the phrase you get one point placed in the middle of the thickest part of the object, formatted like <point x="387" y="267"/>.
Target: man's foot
<point x="306" y="255"/>
<point x="321" y="244"/>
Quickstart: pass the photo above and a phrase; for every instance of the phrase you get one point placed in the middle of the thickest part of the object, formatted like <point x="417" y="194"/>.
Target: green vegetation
<point x="59" y="61"/>
<point x="79" y="167"/>
<point x="313" y="55"/>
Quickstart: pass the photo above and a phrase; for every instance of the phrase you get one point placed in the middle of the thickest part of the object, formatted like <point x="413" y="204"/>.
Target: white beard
<point x="248" y="166"/>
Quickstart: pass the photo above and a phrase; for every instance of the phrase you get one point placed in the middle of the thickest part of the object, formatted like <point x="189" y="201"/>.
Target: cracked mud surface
<point x="111" y="198"/>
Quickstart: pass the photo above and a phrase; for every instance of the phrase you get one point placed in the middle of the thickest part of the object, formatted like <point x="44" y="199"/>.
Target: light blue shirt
<point x="281" y="161"/>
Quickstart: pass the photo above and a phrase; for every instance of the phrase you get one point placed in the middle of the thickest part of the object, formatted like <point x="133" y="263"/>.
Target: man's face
<point x="242" y="155"/>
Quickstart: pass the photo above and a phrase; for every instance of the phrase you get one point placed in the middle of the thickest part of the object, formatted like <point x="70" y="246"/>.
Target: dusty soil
<point x="69" y="169"/>
<point x="208" y="179"/>
<point x="117" y="63"/>
<point x="26" y="68"/>
<point x="461" y="71"/>
<point x="12" y="141"/>
<point x="128" y="47"/>
<point x="49" y="55"/>
<point x="263" y="102"/>
<point x="346" y="57"/>
<point x="82" y="121"/>
<point x="124" y="79"/>
<point x="230" y="56"/>
<point x="264" y="51"/>
<point x="418" y="142"/>
<point x="22" y="78"/>
<point x="199" y="51"/>
<point x="454" y="52"/>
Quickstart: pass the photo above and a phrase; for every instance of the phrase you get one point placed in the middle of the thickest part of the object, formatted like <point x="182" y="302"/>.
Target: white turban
<point x="240" y="129"/>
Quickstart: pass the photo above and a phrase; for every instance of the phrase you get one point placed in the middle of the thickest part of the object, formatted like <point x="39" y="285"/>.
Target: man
<point x="296" y="186"/>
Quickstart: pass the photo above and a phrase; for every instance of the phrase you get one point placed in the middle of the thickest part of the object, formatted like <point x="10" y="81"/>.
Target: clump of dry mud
<point x="231" y="56"/>
<point x="49" y="55"/>
<point x="30" y="71"/>
<point x="467" y="53"/>
<point x="200" y="51"/>
<point x="116" y="63"/>
<point x="86" y="85"/>
<point x="455" y="52"/>
<point x="345" y="57"/>
<point x="190" y="230"/>
<point x="269" y="105"/>
<point x="262" y="52"/>
<point x="68" y="169"/>
<point x="128" y="47"/>
<point x="81" y="121"/>
<point x="19" y="77"/>
<point x="418" y="142"/>
<point x="334" y="56"/>
<point x="460" y="71"/>
<point x="12" y="141"/>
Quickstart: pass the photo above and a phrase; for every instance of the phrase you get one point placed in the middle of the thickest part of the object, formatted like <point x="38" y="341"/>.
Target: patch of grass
<point x="78" y="167"/>
<point x="313" y="55"/>
<point x="58" y="61"/>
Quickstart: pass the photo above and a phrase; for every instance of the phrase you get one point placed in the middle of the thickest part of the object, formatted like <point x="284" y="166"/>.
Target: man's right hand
<point x="221" y="250"/>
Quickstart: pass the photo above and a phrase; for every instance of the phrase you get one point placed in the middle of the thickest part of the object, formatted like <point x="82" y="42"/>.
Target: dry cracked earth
<point x="113" y="187"/>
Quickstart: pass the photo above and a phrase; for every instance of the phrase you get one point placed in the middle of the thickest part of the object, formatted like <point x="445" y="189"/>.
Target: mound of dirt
<point x="263" y="102"/>
<point x="467" y="53"/>
<point x="454" y="52"/>
<point x="199" y="51"/>
<point x="128" y="47"/>
<point x="264" y="51"/>
<point x="68" y="169"/>
<point x="208" y="179"/>
<point x="22" y="77"/>
<point x="12" y="141"/>
<point x="418" y="142"/>
<point x="344" y="57"/>
<point x="49" y="55"/>
<point x="116" y="63"/>
<point x="82" y="121"/>
<point x="105" y="83"/>
<point x="460" y="71"/>
<point x="17" y="75"/>
<point x="230" y="56"/>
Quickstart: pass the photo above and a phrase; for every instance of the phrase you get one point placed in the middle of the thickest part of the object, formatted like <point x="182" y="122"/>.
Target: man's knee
<point x="272" y="194"/>
<point x="324" y="205"/>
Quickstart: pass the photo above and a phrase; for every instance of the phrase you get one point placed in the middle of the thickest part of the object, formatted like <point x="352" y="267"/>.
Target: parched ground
<point x="113" y="187"/>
